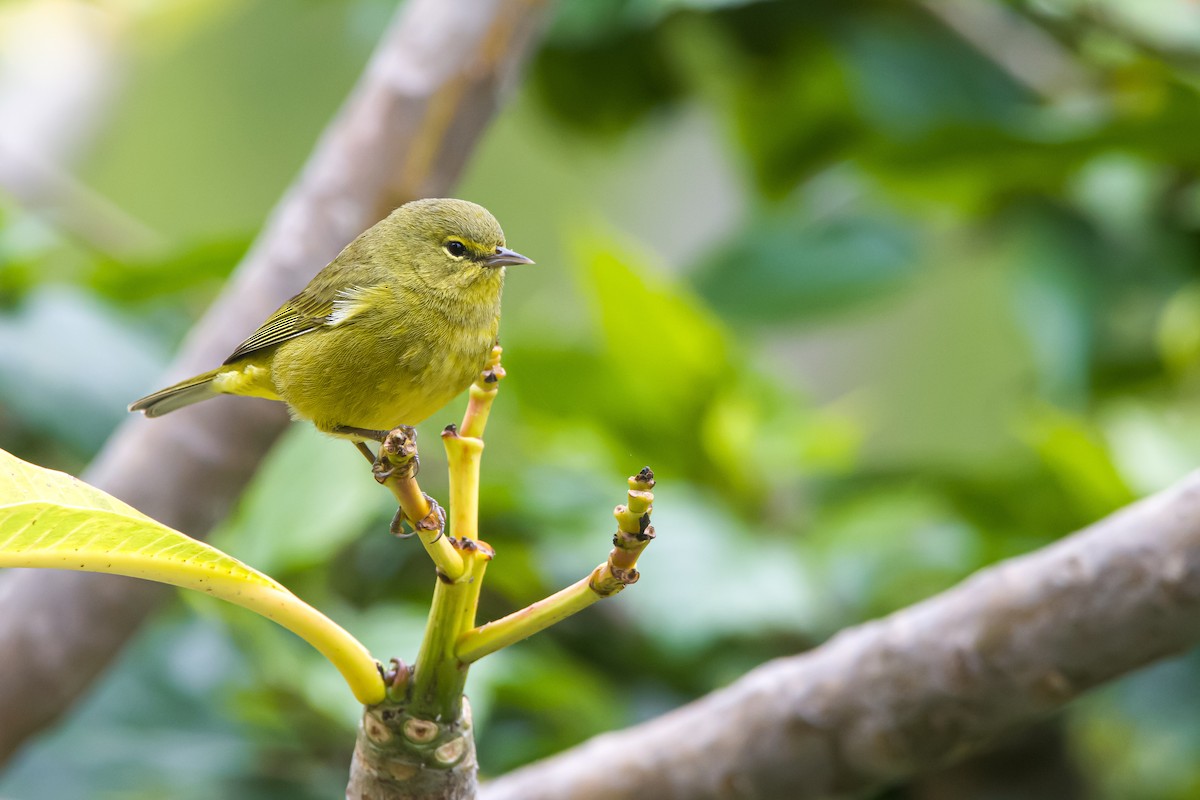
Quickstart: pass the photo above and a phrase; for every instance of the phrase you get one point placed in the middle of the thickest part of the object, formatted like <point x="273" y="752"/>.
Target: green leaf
<point x="72" y="384"/>
<point x="603" y="86"/>
<point x="1074" y="450"/>
<point x="785" y="268"/>
<point x="327" y="505"/>
<point x="51" y="520"/>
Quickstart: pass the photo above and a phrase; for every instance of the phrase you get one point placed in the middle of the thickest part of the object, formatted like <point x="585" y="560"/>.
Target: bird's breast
<point x="426" y="375"/>
<point x="380" y="373"/>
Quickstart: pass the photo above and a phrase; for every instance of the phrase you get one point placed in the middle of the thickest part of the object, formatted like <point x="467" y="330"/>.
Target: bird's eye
<point x="455" y="248"/>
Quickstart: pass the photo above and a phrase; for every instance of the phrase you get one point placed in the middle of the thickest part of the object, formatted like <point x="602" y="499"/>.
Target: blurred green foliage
<point x="879" y="306"/>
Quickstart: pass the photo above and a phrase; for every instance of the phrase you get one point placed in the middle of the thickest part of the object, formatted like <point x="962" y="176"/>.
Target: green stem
<point x="487" y="639"/>
<point x="438" y="676"/>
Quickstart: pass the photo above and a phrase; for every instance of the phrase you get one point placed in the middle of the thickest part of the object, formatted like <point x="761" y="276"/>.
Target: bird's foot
<point x="366" y="451"/>
<point x="435" y="520"/>
<point x="364" y="433"/>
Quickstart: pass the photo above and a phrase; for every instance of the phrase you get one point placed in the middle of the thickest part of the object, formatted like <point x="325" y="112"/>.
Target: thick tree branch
<point x="922" y="687"/>
<point x="405" y="132"/>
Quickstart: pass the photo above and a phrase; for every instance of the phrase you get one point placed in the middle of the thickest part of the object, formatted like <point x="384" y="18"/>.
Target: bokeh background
<point x="884" y="292"/>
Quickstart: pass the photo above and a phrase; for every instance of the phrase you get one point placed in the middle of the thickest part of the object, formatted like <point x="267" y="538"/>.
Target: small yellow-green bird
<point x="385" y="335"/>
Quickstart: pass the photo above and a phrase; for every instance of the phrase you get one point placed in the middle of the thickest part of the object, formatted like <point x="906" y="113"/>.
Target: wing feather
<point x="304" y="313"/>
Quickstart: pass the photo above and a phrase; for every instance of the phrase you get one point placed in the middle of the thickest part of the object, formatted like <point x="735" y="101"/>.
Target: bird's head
<point x="453" y="246"/>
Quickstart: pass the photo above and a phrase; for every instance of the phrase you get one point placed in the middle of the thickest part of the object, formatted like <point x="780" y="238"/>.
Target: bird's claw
<point x="397" y="526"/>
<point x="435" y="520"/>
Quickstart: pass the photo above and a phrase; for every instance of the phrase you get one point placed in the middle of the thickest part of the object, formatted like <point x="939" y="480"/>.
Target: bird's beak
<point x="506" y="258"/>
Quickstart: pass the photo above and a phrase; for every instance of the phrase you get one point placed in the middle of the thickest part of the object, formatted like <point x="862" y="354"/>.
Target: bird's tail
<point x="184" y="393"/>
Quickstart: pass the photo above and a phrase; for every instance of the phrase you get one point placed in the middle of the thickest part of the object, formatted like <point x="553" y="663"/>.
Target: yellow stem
<point x="634" y="533"/>
<point x="438" y="675"/>
<point x="483" y="391"/>
<point x="486" y="639"/>
<point x="479" y="407"/>
<point x="429" y="525"/>
<point x="463" y="456"/>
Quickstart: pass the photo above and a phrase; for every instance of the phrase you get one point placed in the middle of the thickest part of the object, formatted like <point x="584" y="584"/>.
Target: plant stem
<point x="420" y="737"/>
<point x="438" y="676"/>
<point x="634" y="532"/>
<point x="486" y="639"/>
<point x="463" y="456"/>
<point x="402" y="757"/>
<point x="482" y="393"/>
<point x="396" y="469"/>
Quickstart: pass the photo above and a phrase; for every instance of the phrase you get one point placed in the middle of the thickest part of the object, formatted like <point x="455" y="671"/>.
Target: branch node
<point x="627" y="577"/>
<point x="398" y="456"/>
<point x="375" y="730"/>
<point x="400" y="442"/>
<point x="420" y="731"/>
<point x="640" y="501"/>
<point x="451" y="752"/>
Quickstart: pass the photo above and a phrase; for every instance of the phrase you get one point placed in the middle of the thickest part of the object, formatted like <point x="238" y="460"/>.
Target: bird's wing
<point x="311" y="310"/>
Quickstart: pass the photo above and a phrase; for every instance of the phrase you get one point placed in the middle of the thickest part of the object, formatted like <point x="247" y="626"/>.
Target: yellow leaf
<point x="49" y="519"/>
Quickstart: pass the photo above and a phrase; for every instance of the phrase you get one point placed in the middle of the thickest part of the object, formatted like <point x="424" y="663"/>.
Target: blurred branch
<point x="922" y="688"/>
<point x="1030" y="55"/>
<point x="45" y="188"/>
<point x="1091" y="19"/>
<point x="58" y="67"/>
<point x="405" y="132"/>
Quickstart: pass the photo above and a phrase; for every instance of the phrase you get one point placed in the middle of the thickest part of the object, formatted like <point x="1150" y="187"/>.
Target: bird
<point x="385" y="335"/>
